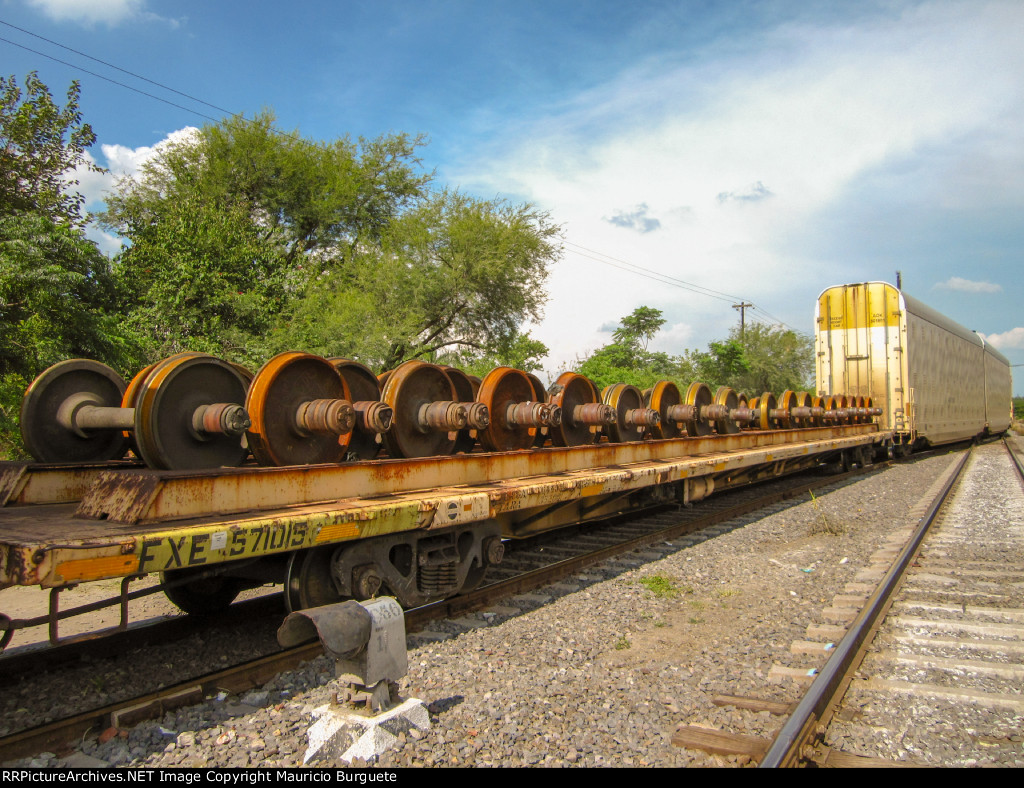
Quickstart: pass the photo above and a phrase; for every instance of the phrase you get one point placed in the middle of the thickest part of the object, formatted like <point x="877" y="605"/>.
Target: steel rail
<point x="785" y="750"/>
<point x="1015" y="458"/>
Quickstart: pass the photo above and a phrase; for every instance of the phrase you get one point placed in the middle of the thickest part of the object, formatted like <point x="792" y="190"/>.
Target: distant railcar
<point x="936" y="381"/>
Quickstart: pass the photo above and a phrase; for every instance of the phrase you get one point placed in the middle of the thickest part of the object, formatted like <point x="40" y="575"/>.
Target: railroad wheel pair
<point x="184" y="412"/>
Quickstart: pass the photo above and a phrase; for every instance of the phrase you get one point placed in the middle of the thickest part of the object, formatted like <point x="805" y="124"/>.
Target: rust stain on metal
<point x="120" y="496"/>
<point x="10" y="478"/>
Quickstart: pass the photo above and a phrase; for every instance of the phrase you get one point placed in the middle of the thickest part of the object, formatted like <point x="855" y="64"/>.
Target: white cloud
<point x="968" y="286"/>
<point x="1014" y="338"/>
<point x="794" y="119"/>
<point x="121" y="161"/>
<point x="91" y="12"/>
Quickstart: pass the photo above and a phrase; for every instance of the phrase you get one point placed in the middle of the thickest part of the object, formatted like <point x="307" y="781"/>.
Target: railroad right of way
<point x="600" y="670"/>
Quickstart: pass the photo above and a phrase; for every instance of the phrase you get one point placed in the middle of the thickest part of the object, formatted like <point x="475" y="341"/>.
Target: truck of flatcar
<point x="935" y="381"/>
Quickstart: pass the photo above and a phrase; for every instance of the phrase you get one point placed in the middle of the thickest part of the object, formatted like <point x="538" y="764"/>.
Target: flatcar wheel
<point x="818" y="407"/>
<point x="783" y="412"/>
<point x="765" y="406"/>
<point x="728" y="399"/>
<point x="189" y="414"/>
<point x="540" y="394"/>
<point x="662" y="396"/>
<point x="301" y="411"/>
<point x="698" y="395"/>
<point x="631" y="417"/>
<point x="582" y="412"/>
<point x="308" y="581"/>
<point x="410" y="390"/>
<point x="364" y="387"/>
<point x="203" y="597"/>
<point x="510" y="428"/>
<point x="51" y="397"/>
<point x="464" y="392"/>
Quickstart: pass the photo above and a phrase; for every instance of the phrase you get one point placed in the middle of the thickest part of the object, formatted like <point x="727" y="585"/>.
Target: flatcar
<point x="935" y="381"/>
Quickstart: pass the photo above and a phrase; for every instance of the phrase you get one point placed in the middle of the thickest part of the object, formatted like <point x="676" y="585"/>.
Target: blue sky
<point x="764" y="150"/>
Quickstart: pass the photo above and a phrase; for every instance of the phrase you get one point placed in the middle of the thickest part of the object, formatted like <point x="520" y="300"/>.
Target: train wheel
<point x="427" y="414"/>
<point x="464" y="392"/>
<point x="540" y="394"/>
<point x="203" y="597"/>
<point x="784" y="410"/>
<point x="583" y="413"/>
<point x="501" y="390"/>
<point x="631" y="417"/>
<point x="728" y="398"/>
<point x="664" y="395"/>
<point x="699" y="396"/>
<point x="308" y="581"/>
<point x="765" y="405"/>
<point x="363" y="386"/>
<point x="178" y="401"/>
<point x="301" y="411"/>
<point x="54" y="395"/>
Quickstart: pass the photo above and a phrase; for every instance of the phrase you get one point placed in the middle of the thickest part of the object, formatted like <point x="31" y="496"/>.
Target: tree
<point x="41" y="145"/>
<point x="626" y="359"/>
<point x="453" y="275"/>
<point x="639" y="328"/>
<point x="57" y="295"/>
<point x="765" y="358"/>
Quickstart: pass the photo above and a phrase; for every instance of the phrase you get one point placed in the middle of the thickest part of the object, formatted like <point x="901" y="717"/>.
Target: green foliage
<point x="58" y="298"/>
<point x="660" y="585"/>
<point x="1018" y="408"/>
<point x="626" y="359"/>
<point x="453" y="275"/>
<point x="246" y="241"/>
<point x="40" y="146"/>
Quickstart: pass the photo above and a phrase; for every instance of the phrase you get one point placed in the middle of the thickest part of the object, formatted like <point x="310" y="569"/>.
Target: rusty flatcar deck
<point x="65" y="525"/>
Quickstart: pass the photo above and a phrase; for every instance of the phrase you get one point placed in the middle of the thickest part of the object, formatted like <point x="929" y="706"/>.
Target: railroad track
<point x="538" y="563"/>
<point x="928" y="670"/>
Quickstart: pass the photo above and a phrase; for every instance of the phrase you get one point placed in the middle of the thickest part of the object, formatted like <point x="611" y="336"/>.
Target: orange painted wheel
<point x="364" y="386"/>
<point x="765" y="405"/>
<point x="409" y="387"/>
<point x="729" y="399"/>
<point x="281" y="393"/>
<point x="166" y="410"/>
<point x="573" y="393"/>
<point x="464" y="392"/>
<point x="631" y="417"/>
<point x="501" y="390"/>
<point x="699" y="396"/>
<point x="662" y="396"/>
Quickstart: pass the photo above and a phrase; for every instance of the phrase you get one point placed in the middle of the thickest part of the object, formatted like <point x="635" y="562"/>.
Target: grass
<point x="823" y="525"/>
<point x="622" y="643"/>
<point x="662" y="587"/>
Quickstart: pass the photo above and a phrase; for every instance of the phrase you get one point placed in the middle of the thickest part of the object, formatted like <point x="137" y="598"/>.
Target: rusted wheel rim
<point x="411" y="385"/>
<point x="364" y="386"/>
<point x="623" y="398"/>
<point x="540" y="394"/>
<point x="464" y="392"/>
<point x="500" y="388"/>
<point x="786" y="402"/>
<point x="661" y="397"/>
<point x="44" y="437"/>
<point x="765" y="405"/>
<point x="727" y="397"/>
<point x="698" y="395"/>
<point x="171" y="394"/>
<point x="280" y="387"/>
<point x="571" y="390"/>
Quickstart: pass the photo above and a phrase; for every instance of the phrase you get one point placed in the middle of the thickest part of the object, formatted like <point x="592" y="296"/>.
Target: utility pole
<point x="742" y="306"/>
